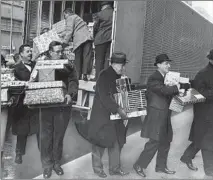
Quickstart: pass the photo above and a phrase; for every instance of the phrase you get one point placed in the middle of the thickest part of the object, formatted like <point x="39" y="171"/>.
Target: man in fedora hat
<point x="201" y="133"/>
<point x="157" y="123"/>
<point x="102" y="36"/>
<point x="102" y="132"/>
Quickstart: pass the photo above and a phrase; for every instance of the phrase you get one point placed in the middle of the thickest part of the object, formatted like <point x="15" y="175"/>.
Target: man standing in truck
<point x="102" y="36"/>
<point x="77" y="32"/>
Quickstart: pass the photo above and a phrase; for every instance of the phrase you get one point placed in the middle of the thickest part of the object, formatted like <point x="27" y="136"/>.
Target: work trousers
<point x="83" y="58"/>
<point x="54" y="122"/>
<point x="102" y="53"/>
<point x="207" y="161"/>
<point x="4" y="120"/>
<point x="189" y="153"/>
<point x="113" y="153"/>
<point x="21" y="143"/>
<point x="151" y="147"/>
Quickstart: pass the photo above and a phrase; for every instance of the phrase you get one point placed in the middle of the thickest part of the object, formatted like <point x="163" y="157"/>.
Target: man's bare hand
<point x="122" y="113"/>
<point x="68" y="99"/>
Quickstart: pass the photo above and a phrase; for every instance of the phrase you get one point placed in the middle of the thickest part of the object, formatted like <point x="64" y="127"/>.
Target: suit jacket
<point x="25" y="120"/>
<point x="157" y="123"/>
<point x="76" y="31"/>
<point x="202" y="127"/>
<point x="21" y="72"/>
<point x="103" y="26"/>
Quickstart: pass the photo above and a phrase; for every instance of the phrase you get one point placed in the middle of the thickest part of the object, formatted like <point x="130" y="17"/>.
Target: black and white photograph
<point x="106" y="89"/>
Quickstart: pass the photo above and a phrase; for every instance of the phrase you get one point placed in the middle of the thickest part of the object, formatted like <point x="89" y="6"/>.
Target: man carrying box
<point x="157" y="123"/>
<point x="104" y="133"/>
<point x="25" y="121"/>
<point x="54" y="120"/>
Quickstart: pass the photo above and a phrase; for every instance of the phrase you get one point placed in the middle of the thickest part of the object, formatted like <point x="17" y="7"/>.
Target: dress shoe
<point x="164" y="170"/>
<point x="101" y="173"/>
<point x="85" y="77"/>
<point x="18" y="159"/>
<point x="47" y="173"/>
<point x="118" y="172"/>
<point x="139" y="170"/>
<point x="58" y="170"/>
<point x="190" y="166"/>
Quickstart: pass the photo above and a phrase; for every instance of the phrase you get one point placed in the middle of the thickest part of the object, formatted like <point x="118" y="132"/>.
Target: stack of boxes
<point x="46" y="92"/>
<point x="132" y="101"/>
<point x="8" y="84"/>
<point x="191" y="96"/>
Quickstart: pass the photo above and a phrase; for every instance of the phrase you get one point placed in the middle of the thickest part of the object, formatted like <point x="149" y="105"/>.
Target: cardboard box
<point x="4" y="95"/>
<point x="176" y="106"/>
<point x="46" y="96"/>
<point x="60" y="26"/>
<point x="42" y="42"/>
<point x="46" y="75"/>
<point x="172" y="78"/>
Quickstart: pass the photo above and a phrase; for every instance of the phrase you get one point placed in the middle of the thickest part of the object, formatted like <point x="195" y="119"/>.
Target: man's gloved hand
<point x="122" y="113"/>
<point x="68" y="99"/>
<point x="185" y="86"/>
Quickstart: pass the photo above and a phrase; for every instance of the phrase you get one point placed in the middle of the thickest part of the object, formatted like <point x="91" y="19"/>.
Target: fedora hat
<point x="210" y="55"/>
<point x="161" y="58"/>
<point x="119" y="58"/>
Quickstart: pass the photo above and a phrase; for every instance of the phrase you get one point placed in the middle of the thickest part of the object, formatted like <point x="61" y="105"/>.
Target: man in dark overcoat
<point x="102" y="36"/>
<point x="55" y="120"/>
<point x="157" y="124"/>
<point x="104" y="133"/>
<point x="25" y="120"/>
<point x="201" y="133"/>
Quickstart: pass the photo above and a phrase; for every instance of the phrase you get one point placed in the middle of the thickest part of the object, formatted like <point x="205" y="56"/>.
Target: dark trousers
<point x="151" y="147"/>
<point x="207" y="161"/>
<point x="102" y="53"/>
<point x="113" y="153"/>
<point x="189" y="153"/>
<point x="54" y="122"/>
<point x="21" y="144"/>
<point x="83" y="58"/>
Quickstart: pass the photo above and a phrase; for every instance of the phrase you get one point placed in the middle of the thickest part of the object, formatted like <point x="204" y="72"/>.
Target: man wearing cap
<point x="157" y="124"/>
<point x="201" y="133"/>
<point x="102" y="132"/>
<point x="102" y="36"/>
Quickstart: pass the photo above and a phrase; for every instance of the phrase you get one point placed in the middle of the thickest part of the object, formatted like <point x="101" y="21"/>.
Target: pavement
<point x="81" y="168"/>
<point x="74" y="147"/>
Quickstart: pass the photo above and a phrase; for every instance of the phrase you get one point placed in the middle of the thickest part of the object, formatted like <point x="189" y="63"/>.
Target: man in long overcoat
<point x="104" y="133"/>
<point x="103" y="36"/>
<point x="25" y="120"/>
<point x="201" y="133"/>
<point x="157" y="124"/>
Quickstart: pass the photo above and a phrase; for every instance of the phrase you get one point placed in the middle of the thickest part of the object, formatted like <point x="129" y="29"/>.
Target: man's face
<point x="119" y="68"/>
<point x="26" y="54"/>
<point x="164" y="67"/>
<point x="211" y="61"/>
<point x="66" y="15"/>
<point x="56" y="53"/>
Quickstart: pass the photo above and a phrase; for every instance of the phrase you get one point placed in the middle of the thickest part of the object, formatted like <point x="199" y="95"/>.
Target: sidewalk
<point x="81" y="168"/>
